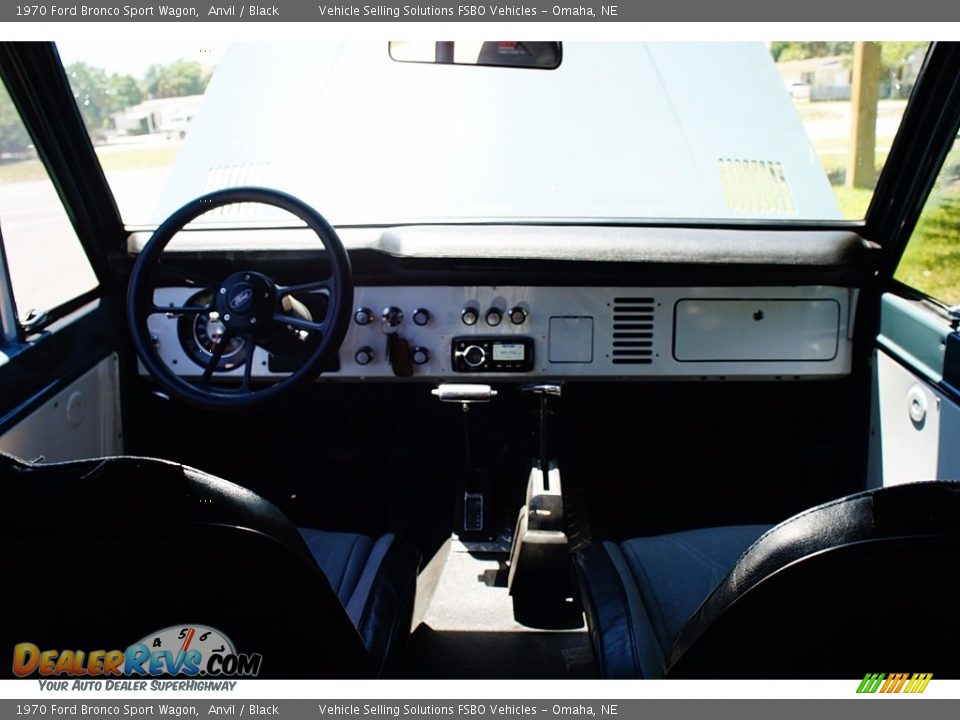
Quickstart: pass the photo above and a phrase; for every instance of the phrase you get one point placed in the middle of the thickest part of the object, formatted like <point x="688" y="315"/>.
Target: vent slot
<point x="228" y="176"/>
<point x="755" y="186"/>
<point x="632" y="342"/>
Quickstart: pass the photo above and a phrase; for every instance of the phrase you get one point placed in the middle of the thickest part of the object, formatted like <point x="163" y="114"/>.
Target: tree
<point x="91" y="88"/>
<point x="184" y="77"/>
<point x="14" y="138"/>
<point x="99" y="95"/>
<point x="895" y="58"/>
<point x="782" y="51"/>
<point x="125" y="91"/>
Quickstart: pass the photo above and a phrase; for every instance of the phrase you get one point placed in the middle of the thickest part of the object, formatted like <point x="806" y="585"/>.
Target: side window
<point x="45" y="260"/>
<point x="931" y="262"/>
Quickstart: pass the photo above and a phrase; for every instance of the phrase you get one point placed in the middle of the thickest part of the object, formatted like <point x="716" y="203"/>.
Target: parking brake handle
<point x="464" y="393"/>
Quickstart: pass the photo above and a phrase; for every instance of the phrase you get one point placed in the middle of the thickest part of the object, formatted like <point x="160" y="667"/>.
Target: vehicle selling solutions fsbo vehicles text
<point x="497" y="11"/>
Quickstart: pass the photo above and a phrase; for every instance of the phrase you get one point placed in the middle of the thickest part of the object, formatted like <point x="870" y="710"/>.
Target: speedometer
<point x="201" y="333"/>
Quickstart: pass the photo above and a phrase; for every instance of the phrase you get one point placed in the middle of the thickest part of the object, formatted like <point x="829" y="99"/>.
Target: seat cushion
<point x="375" y="580"/>
<point x="640" y="593"/>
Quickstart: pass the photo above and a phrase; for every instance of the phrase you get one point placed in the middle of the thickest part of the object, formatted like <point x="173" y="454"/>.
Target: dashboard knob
<point x="392" y="316"/>
<point x="494" y="317"/>
<point x="469" y="316"/>
<point x="518" y="316"/>
<point x="362" y="316"/>
<point x="474" y="356"/>
<point x="421" y="316"/>
<point x="364" y="356"/>
<point x="420" y="355"/>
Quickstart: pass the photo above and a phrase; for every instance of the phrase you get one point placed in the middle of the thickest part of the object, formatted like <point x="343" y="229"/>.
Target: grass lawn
<point x="127" y="159"/>
<point x="932" y="260"/>
<point x="853" y="202"/>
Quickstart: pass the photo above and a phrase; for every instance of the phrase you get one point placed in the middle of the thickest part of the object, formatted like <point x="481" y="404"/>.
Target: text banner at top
<point x="424" y="11"/>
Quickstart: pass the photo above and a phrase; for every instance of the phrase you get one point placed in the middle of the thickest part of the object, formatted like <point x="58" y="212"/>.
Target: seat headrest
<point x="875" y="552"/>
<point x="67" y="497"/>
<point x="131" y="545"/>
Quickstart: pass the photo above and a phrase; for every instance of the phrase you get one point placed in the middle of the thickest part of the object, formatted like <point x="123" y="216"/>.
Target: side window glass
<point x="931" y="263"/>
<point x="46" y="262"/>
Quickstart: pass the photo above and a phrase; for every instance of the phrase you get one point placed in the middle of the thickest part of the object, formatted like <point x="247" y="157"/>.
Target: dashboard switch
<point x="518" y="316"/>
<point x="494" y="317"/>
<point x="362" y="316"/>
<point x="398" y="355"/>
<point x="469" y="316"/>
<point x="364" y="355"/>
<point x="421" y="316"/>
<point x="392" y="317"/>
<point x="420" y="355"/>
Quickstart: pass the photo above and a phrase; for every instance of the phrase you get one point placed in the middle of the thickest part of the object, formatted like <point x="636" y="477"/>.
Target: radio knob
<point x="518" y="316"/>
<point x="364" y="356"/>
<point x="474" y="356"/>
<point x="494" y="316"/>
<point x="420" y="355"/>
<point x="469" y="316"/>
<point x="421" y="316"/>
<point x="362" y="316"/>
<point x="392" y="316"/>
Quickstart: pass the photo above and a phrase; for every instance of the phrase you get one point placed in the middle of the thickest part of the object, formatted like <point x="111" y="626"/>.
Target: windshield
<point x="612" y="131"/>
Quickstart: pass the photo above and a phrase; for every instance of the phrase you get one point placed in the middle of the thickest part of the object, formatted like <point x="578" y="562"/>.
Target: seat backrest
<point x="869" y="582"/>
<point x="99" y="554"/>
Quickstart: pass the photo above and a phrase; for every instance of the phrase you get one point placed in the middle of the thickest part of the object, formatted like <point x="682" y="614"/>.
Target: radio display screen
<point x="512" y="352"/>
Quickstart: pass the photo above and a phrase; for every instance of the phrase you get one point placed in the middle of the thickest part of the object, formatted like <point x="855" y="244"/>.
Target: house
<point x="170" y="116"/>
<point x="828" y="78"/>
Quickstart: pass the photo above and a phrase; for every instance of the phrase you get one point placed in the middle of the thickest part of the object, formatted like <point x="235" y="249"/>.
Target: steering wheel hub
<point x="246" y="300"/>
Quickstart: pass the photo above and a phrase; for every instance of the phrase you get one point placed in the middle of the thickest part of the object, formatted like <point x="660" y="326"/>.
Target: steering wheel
<point x="246" y="306"/>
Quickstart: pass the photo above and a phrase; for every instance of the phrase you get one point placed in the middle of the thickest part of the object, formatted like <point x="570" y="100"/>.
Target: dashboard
<point x="518" y="302"/>
<point x="517" y="332"/>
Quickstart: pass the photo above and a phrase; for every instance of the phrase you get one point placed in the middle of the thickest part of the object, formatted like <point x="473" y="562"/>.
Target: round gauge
<point x="199" y="334"/>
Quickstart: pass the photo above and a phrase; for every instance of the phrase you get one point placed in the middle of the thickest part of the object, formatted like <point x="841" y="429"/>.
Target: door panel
<point x="915" y="423"/>
<point x="80" y="421"/>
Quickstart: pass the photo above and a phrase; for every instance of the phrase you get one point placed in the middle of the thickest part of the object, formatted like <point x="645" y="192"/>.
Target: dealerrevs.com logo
<point x="191" y="650"/>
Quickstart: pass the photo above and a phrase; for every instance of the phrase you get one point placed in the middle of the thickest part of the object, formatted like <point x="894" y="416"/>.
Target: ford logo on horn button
<point x="241" y="298"/>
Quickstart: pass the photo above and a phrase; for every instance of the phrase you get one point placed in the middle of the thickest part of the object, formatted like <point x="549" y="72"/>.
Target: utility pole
<point x="861" y="166"/>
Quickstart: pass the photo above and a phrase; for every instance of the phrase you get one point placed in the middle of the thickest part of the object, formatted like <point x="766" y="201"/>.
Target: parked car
<point x="799" y="90"/>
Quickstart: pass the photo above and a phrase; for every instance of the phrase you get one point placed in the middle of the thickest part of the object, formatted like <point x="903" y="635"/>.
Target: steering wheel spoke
<point x="324" y="286"/>
<point x="300" y="323"/>
<point x="173" y="310"/>
<point x="250" y="344"/>
<point x="215" y="357"/>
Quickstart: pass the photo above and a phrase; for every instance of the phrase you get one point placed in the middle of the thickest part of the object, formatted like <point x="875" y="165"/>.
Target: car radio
<point x="492" y="354"/>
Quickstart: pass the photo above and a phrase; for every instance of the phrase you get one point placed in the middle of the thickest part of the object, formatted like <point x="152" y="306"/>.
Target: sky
<point x="135" y="57"/>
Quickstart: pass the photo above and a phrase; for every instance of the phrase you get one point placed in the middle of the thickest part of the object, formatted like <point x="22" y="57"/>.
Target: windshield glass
<point x="779" y="131"/>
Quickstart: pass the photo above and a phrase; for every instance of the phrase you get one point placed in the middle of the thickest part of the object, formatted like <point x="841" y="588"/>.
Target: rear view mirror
<point x="503" y="53"/>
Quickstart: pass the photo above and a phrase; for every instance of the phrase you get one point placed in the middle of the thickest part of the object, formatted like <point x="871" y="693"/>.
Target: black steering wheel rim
<point x="331" y="330"/>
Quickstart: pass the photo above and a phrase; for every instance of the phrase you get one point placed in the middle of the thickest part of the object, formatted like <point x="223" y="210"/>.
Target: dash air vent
<point x="632" y="331"/>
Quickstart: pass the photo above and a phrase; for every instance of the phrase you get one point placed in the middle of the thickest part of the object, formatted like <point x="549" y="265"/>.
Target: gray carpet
<point x="466" y="626"/>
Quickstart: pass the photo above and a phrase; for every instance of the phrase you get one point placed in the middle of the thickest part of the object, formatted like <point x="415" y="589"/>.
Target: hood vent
<point x="632" y="331"/>
<point x="228" y="176"/>
<point x="755" y="186"/>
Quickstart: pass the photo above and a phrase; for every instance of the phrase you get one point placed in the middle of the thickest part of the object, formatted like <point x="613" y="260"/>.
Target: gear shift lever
<point x="545" y="391"/>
